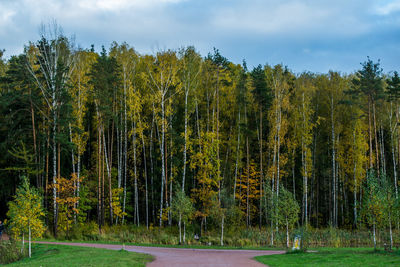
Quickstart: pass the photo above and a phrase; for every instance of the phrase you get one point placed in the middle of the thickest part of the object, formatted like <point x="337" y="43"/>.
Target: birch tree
<point x="162" y="72"/>
<point x="55" y="58"/>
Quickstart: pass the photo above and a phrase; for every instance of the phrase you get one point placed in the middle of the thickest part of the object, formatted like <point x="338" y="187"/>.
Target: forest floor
<point x="334" y="257"/>
<point x="165" y="256"/>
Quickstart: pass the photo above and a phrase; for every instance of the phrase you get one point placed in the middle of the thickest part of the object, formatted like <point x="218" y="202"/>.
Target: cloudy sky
<point x="305" y="35"/>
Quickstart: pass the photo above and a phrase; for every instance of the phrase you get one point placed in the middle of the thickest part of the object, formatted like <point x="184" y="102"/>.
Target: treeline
<point x="118" y="137"/>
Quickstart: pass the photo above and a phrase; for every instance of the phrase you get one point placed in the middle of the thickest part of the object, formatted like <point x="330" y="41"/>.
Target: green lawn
<point x="58" y="255"/>
<point x="334" y="257"/>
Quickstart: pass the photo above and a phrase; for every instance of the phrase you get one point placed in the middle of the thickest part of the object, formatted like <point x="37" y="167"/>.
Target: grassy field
<point x="334" y="257"/>
<point x="57" y="255"/>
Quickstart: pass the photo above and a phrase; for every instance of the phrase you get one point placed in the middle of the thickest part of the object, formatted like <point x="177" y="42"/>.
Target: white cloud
<point x="116" y="5"/>
<point x="259" y="29"/>
<point x="389" y="8"/>
<point x="291" y="17"/>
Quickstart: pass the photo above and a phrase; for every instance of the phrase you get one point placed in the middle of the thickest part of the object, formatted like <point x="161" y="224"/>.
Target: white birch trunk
<point x="125" y="155"/>
<point x="23" y="243"/>
<point x="374" y="236"/>
<point x="145" y="180"/>
<point x="180" y="231"/>
<point x="222" y="230"/>
<point x="162" y="158"/>
<point x="237" y="157"/>
<point x="287" y="233"/>
<point x="334" y="219"/>
<point x="136" y="209"/>
<point x="184" y="232"/>
<point x="186" y="140"/>
<point x="30" y="247"/>
<point x="109" y="176"/>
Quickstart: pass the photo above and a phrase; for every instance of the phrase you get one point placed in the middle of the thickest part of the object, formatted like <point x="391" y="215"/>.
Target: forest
<point x="175" y="139"/>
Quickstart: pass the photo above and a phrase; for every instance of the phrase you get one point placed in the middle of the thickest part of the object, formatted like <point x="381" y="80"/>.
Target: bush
<point x="10" y="252"/>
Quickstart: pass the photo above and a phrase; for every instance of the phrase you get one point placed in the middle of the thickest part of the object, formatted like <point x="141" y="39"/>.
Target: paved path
<point x="189" y="257"/>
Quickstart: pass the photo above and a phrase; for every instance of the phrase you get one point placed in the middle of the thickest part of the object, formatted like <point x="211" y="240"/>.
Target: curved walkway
<point x="187" y="256"/>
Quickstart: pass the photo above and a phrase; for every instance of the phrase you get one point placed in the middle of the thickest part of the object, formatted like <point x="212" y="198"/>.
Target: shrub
<point x="10" y="252"/>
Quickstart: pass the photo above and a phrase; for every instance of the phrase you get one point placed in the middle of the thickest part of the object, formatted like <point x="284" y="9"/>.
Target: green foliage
<point x="374" y="204"/>
<point x="288" y="209"/>
<point x="369" y="80"/>
<point x="26" y="212"/>
<point x="182" y="206"/>
<point x="256" y="134"/>
<point x="10" y="251"/>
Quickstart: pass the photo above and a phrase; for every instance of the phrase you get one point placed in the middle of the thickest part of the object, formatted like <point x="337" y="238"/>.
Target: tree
<point x="248" y="186"/>
<point x="393" y="93"/>
<point x="263" y="96"/>
<point x="182" y="210"/>
<point x="374" y="203"/>
<point x="162" y="72"/>
<point x="207" y="165"/>
<point x="369" y="82"/>
<point x="26" y="212"/>
<point x="66" y="201"/>
<point x="80" y="91"/>
<point x="288" y="211"/>
<point x="53" y="63"/>
<point x="303" y="114"/>
<point x="390" y="205"/>
<point x="105" y="79"/>
<point x="189" y="75"/>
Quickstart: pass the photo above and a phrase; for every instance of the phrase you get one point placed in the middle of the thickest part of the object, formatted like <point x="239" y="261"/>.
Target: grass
<point x="334" y="257"/>
<point x="58" y="255"/>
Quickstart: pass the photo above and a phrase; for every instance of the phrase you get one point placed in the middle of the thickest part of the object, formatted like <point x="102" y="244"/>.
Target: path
<point x="187" y="256"/>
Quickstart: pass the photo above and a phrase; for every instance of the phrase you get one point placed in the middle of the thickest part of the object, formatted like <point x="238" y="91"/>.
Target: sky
<point x="305" y="35"/>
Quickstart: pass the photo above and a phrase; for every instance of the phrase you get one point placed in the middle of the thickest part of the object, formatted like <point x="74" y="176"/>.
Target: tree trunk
<point x="55" y="213"/>
<point x="145" y="181"/>
<point x="180" y="231"/>
<point x="376" y="140"/>
<point x="374" y="235"/>
<point x="247" y="183"/>
<point x="23" y="243"/>
<point x="287" y="233"/>
<point x="99" y="179"/>
<point x="34" y="137"/>
<point x="136" y="209"/>
<point x="370" y="133"/>
<point x="261" y="167"/>
<point x="170" y="176"/>
<point x="334" y="222"/>
<point x="186" y="140"/>
<point x="30" y="248"/>
<point x="237" y="157"/>
<point x="109" y="178"/>
<point x="184" y="233"/>
<point x="125" y="155"/>
<point x="152" y="171"/>
<point x="162" y="159"/>
<point x="222" y="230"/>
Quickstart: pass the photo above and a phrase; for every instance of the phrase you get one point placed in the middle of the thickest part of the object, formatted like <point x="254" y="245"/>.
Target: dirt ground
<point x="189" y="257"/>
<point x="4" y="237"/>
